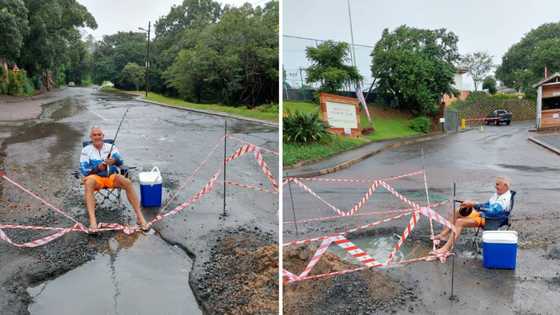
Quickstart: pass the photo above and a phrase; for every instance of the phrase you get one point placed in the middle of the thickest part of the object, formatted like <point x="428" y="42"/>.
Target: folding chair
<point x="107" y="196"/>
<point x="495" y="223"/>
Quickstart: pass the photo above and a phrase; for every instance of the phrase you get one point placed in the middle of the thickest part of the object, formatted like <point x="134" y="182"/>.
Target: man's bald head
<point x="503" y="184"/>
<point x="96" y="135"/>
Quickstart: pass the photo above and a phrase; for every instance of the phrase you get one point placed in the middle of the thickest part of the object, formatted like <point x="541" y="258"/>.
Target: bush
<point x="17" y="84"/>
<point x="480" y="104"/>
<point x="267" y="108"/>
<point x="421" y="124"/>
<point x="303" y="128"/>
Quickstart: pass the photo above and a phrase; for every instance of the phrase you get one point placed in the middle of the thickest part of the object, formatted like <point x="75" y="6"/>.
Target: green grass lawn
<point x="293" y="153"/>
<point x="267" y="112"/>
<point x="394" y="126"/>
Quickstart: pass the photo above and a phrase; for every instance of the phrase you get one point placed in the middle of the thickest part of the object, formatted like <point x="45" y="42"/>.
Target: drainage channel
<point x="139" y="274"/>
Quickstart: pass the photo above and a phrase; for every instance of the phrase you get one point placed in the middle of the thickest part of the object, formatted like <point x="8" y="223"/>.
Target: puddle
<point x="150" y="277"/>
<point x="59" y="110"/>
<point x="379" y="247"/>
<point x="530" y="169"/>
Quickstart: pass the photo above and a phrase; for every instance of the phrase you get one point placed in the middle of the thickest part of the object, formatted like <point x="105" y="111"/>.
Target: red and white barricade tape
<point x="352" y="180"/>
<point x="368" y="213"/>
<point x="247" y="186"/>
<point x="246" y="142"/>
<point x="79" y="227"/>
<point x="356" y="252"/>
<point x="317" y="256"/>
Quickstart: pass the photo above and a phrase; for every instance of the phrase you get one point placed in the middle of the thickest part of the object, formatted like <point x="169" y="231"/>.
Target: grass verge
<point x="294" y="153"/>
<point x="388" y="123"/>
<point x="268" y="112"/>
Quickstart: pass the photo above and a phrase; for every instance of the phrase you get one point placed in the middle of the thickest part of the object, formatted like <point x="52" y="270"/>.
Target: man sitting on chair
<point x="498" y="205"/>
<point x="101" y="172"/>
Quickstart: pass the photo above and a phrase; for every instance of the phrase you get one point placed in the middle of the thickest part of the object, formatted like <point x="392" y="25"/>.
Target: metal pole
<point x="351" y="34"/>
<point x="225" y="164"/>
<point x="292" y="198"/>
<point x="427" y="196"/>
<point x="452" y="296"/>
<point x="148" y="59"/>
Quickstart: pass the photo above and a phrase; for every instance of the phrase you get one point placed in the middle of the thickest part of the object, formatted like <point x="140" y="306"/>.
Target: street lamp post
<point x="147" y="78"/>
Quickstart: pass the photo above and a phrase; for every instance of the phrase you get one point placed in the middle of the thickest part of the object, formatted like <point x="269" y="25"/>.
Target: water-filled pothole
<point x="150" y="277"/>
<point x="379" y="247"/>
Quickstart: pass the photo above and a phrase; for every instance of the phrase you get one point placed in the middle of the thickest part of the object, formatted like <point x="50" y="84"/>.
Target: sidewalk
<point x="549" y="141"/>
<point x="349" y="158"/>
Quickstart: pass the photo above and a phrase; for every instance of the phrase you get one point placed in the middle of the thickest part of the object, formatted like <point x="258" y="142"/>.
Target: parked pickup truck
<point x="499" y="116"/>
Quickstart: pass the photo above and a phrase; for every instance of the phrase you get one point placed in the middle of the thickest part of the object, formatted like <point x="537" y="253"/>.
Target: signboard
<point x="341" y="113"/>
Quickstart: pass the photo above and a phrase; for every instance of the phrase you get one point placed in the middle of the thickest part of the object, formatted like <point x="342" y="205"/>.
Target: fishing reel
<point x="464" y="211"/>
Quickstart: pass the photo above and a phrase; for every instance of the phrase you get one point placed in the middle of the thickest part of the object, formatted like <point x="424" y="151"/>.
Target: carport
<point x="548" y="102"/>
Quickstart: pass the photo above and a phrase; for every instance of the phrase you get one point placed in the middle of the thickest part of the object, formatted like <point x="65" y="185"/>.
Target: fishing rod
<point x="115" y="139"/>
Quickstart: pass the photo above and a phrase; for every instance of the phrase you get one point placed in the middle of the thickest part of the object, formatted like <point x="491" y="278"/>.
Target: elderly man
<point x="498" y="205"/>
<point x="100" y="171"/>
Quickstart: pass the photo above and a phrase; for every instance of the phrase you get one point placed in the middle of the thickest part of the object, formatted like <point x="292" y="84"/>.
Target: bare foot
<point x="144" y="226"/>
<point x="93" y="229"/>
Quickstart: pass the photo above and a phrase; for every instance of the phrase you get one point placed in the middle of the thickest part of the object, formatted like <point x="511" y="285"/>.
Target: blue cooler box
<point x="151" y="188"/>
<point x="499" y="249"/>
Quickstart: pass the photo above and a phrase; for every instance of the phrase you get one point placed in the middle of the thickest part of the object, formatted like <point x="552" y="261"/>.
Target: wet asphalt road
<point x="471" y="159"/>
<point x="41" y="154"/>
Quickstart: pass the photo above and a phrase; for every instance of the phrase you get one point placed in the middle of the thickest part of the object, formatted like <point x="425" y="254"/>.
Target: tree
<point x="114" y="52"/>
<point x="133" y="74"/>
<point x="178" y="30"/>
<point x="478" y="65"/>
<point x="329" y="66"/>
<point x="53" y="28"/>
<point x="524" y="63"/>
<point x="14" y="27"/>
<point x="489" y="84"/>
<point x="414" y="68"/>
<point x="233" y="61"/>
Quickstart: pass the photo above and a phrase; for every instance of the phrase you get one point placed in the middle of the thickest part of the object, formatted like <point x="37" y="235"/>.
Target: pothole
<point x="150" y="277"/>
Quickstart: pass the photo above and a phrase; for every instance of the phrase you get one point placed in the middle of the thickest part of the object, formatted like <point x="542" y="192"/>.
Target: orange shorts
<point x="475" y="215"/>
<point x="104" y="182"/>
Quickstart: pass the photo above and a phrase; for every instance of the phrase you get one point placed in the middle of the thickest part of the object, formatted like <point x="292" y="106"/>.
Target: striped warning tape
<point x="361" y="255"/>
<point x="351" y="180"/>
<point x="78" y="227"/>
<point x="368" y="213"/>
<point x="356" y="252"/>
<point x="247" y="186"/>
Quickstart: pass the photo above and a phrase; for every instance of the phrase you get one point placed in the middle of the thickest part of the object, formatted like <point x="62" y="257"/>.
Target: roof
<point x="546" y="80"/>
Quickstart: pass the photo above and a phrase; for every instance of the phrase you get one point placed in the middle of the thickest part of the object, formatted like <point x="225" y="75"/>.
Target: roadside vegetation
<point x="41" y="46"/>
<point x="389" y="124"/>
<point x="203" y="52"/>
<point x="480" y="104"/>
<point x="267" y="112"/>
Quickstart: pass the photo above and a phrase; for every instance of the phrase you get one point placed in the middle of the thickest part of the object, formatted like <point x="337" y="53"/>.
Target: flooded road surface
<point x="472" y="160"/>
<point x="42" y="154"/>
<point x="143" y="276"/>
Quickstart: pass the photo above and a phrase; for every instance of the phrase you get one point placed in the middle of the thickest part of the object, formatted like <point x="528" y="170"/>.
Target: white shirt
<point x="503" y="200"/>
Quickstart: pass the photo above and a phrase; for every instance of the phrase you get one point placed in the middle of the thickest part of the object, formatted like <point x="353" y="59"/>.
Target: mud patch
<point x="363" y="292"/>
<point x="241" y="276"/>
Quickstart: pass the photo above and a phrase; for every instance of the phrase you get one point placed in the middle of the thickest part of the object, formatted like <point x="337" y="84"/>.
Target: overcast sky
<point x="482" y="25"/>
<point x="127" y="15"/>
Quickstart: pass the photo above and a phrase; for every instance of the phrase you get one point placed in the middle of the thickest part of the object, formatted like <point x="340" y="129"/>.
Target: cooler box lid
<point x="152" y="177"/>
<point x="499" y="237"/>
